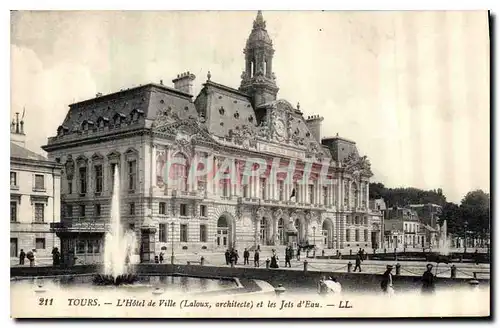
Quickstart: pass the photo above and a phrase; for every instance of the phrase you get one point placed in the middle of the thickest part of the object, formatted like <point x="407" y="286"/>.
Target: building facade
<point x="308" y="188"/>
<point x="403" y="229"/>
<point x="34" y="199"/>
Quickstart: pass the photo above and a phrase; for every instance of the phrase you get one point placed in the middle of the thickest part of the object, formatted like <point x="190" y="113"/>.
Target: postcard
<point x="241" y="164"/>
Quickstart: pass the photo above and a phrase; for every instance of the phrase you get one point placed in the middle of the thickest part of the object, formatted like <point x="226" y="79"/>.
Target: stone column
<point x="340" y="195"/>
<point x="367" y="187"/>
<point x="210" y="180"/>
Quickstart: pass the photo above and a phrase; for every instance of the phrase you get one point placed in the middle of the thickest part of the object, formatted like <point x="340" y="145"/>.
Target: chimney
<point x="184" y="82"/>
<point x="17" y="135"/>
<point x="314" y="124"/>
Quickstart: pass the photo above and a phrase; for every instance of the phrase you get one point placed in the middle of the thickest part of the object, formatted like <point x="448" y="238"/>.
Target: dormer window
<point x="250" y="119"/>
<point x="117" y="118"/>
<point x="102" y="122"/>
<point x="61" y="130"/>
<point x="84" y="126"/>
<point x="135" y="114"/>
<point x="221" y="110"/>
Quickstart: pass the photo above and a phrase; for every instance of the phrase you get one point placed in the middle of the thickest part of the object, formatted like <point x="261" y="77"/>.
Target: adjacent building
<point x="34" y="198"/>
<point x="158" y="135"/>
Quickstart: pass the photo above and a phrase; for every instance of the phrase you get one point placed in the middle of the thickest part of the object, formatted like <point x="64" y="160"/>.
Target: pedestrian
<point x="287" y="257"/>
<point x="236" y="256"/>
<point x="274" y="260"/>
<point x="358" y="263"/>
<point x="161" y="257"/>
<point x="228" y="256"/>
<point x="476" y="257"/>
<point x="298" y="253"/>
<point x="55" y="256"/>
<point x="31" y="257"/>
<point x="363" y="254"/>
<point x="428" y="286"/>
<point x="386" y="283"/>
<point x="246" y="255"/>
<point x="22" y="256"/>
<point x="256" y="257"/>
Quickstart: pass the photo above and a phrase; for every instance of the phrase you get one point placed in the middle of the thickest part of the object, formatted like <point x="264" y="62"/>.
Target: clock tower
<point x="258" y="80"/>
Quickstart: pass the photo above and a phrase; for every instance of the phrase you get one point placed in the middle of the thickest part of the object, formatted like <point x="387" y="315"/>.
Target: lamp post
<point x="172" y="237"/>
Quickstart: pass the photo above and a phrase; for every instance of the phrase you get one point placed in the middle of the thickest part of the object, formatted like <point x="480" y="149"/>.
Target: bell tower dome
<point x="258" y="80"/>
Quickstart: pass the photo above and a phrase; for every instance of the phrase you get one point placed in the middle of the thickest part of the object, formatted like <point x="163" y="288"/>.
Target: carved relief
<point x="243" y="136"/>
<point x="346" y="193"/>
<point x="278" y="213"/>
<point x="161" y="159"/>
<point x="70" y="167"/>
<point x="357" y="165"/>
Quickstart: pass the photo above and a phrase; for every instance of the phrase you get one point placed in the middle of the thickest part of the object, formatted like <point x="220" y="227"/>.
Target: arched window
<point x="281" y="231"/>
<point x="252" y="68"/>
<point x="265" y="67"/>
<point x="180" y="172"/>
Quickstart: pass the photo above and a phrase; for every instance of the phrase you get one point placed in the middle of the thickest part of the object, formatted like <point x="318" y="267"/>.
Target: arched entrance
<point x="327" y="233"/>
<point x="265" y="231"/>
<point x="281" y="231"/>
<point x="224" y="237"/>
<point x="300" y="231"/>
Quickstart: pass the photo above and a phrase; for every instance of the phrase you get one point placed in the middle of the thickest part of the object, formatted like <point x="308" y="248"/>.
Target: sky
<point x="410" y="88"/>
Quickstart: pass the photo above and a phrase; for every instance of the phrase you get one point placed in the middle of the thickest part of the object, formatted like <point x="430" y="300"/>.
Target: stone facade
<point x="161" y="138"/>
<point x="34" y="199"/>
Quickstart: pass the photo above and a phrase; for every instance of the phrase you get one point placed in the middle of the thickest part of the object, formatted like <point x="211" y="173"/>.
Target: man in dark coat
<point x="227" y="255"/>
<point x="246" y="255"/>
<point x="428" y="286"/>
<point x="358" y="263"/>
<point x="298" y="253"/>
<point x="22" y="256"/>
<point x="287" y="257"/>
<point x="256" y="259"/>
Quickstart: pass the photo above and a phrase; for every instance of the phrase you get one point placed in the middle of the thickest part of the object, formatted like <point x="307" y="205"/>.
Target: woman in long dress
<point x="274" y="260"/>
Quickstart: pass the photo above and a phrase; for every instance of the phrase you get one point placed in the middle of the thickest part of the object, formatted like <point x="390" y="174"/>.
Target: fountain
<point x="118" y="245"/>
<point x="444" y="242"/>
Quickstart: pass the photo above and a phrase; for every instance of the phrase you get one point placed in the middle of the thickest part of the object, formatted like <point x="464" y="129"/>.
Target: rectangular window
<point x="90" y="246"/>
<point x="40" y="243"/>
<point x="97" y="209"/>
<point x="132" y="173"/>
<point x="225" y="188"/>
<point x="70" y="187"/>
<point x="80" y="246"/>
<point x="39" y="182"/>
<point x="13" y="247"/>
<point x="82" y="211"/>
<point x="83" y="179"/>
<point x="69" y="211"/>
<point x="366" y="235"/>
<point x="13" y="211"/>
<point x="39" y="212"/>
<point x="325" y="195"/>
<point x="203" y="233"/>
<point x="311" y="194"/>
<point x="13" y="179"/>
<point x="356" y="235"/>
<point x="131" y="208"/>
<point x="131" y="226"/>
<point x="347" y="235"/>
<point x="162" y="231"/>
<point x="406" y="226"/>
<point x="281" y="190"/>
<point x="183" y="210"/>
<point x="203" y="211"/>
<point x="184" y="233"/>
<point x="263" y="186"/>
<point x="98" y="178"/>
<point x="162" y="208"/>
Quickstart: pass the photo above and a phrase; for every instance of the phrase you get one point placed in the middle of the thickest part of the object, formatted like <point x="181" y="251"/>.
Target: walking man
<point x="358" y="263"/>
<point x="428" y="286"/>
<point x="22" y="256"/>
<point x="298" y="253"/>
<point x="246" y="255"/>
<point x="227" y="255"/>
<point x="256" y="257"/>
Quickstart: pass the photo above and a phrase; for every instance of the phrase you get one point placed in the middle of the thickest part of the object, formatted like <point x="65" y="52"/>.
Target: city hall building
<point x="143" y="130"/>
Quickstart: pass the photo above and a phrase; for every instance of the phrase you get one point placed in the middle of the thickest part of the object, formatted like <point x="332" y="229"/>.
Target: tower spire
<point x="258" y="80"/>
<point x="259" y="21"/>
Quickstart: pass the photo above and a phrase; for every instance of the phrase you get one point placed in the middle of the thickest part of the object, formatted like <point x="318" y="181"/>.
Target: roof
<point x="19" y="152"/>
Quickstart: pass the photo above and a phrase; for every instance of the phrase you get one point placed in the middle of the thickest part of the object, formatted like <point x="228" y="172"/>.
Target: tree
<point x="475" y="210"/>
<point x="454" y="219"/>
